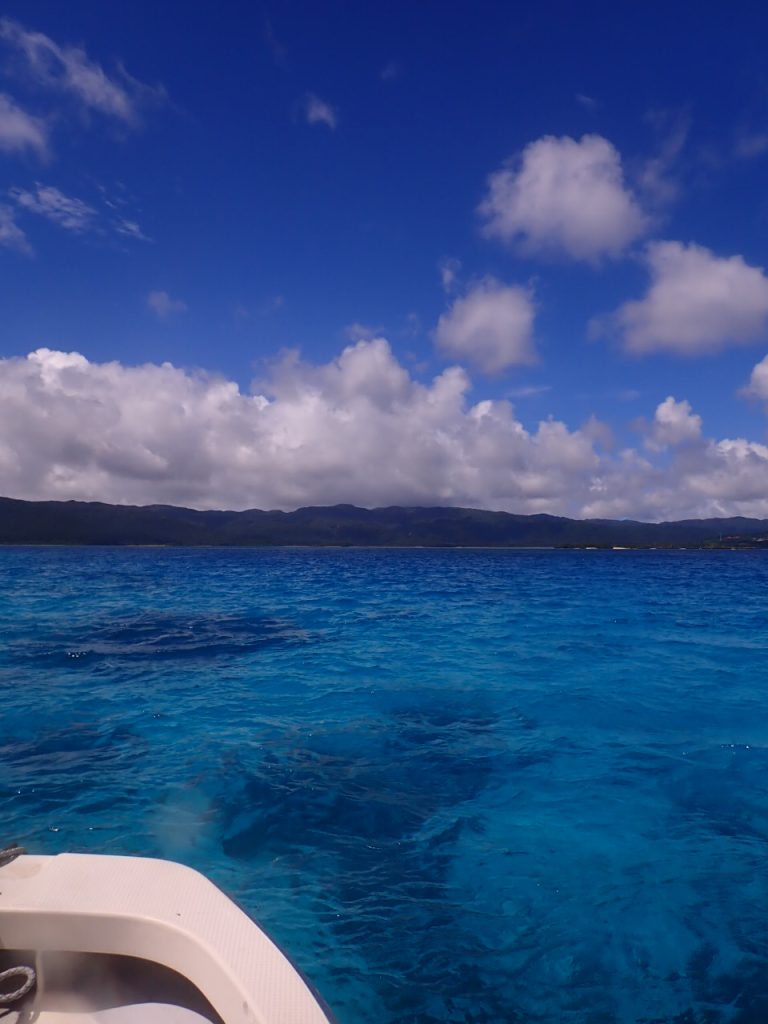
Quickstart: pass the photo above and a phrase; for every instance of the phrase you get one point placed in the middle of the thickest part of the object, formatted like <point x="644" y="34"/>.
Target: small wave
<point x="162" y="635"/>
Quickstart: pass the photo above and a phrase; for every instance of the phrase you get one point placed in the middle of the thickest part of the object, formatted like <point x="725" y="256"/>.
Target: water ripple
<point x="461" y="787"/>
<point x="160" y="635"/>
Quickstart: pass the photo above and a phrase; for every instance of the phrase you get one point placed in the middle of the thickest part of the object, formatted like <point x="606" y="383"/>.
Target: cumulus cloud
<point x="11" y="235"/>
<point x="758" y="381"/>
<point x="702" y="479"/>
<point x="358" y="429"/>
<point x="564" y="197"/>
<point x="20" y="131"/>
<point x="697" y="302"/>
<point x="68" y="212"/>
<point x="317" y="111"/>
<point x="163" y="306"/>
<point x="491" y="326"/>
<point x="68" y="70"/>
<point x="674" y="423"/>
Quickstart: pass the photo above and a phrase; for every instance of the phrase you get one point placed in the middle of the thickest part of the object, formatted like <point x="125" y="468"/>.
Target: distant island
<point x="93" y="523"/>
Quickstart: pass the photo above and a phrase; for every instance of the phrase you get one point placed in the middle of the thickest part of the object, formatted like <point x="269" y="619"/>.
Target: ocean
<point x="470" y="786"/>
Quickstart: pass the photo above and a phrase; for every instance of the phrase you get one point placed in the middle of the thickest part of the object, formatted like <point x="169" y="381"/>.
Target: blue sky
<point x="567" y="202"/>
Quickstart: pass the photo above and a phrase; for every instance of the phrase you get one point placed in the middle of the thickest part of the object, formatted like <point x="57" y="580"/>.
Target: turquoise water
<point x="457" y="786"/>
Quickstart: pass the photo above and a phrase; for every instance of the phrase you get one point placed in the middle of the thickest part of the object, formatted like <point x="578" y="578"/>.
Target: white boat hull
<point x="118" y="940"/>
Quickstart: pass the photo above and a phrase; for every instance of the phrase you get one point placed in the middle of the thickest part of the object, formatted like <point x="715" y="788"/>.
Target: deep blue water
<point x="457" y="786"/>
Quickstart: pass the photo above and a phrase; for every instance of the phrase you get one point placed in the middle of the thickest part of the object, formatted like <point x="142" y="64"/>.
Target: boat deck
<point x="128" y="940"/>
<point x="103" y="989"/>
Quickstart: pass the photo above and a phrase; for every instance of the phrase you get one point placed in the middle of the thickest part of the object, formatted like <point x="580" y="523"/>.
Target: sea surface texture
<point x="481" y="787"/>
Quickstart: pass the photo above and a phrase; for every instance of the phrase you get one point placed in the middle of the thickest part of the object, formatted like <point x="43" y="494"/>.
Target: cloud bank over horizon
<point x="358" y="429"/>
<point x="591" y="255"/>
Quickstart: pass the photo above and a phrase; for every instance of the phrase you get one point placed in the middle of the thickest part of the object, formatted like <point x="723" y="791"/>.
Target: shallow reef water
<point x="457" y="786"/>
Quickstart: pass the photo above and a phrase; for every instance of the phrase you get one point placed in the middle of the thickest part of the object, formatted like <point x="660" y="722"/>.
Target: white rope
<point x="29" y="976"/>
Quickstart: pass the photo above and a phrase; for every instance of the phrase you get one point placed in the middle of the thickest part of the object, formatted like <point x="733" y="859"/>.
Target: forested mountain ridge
<point x="77" y="522"/>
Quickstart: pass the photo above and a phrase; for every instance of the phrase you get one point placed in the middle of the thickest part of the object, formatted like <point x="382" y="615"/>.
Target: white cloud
<point x="130" y="229"/>
<point x="317" y="111"/>
<point x="733" y="477"/>
<point x="11" y="235"/>
<point x="658" y="177"/>
<point x="361" y="332"/>
<point x="697" y="302"/>
<point x="758" y="382"/>
<point x="708" y="479"/>
<point x="449" y="271"/>
<point x="20" y="131"/>
<point x="674" y="423"/>
<point x="73" y="214"/>
<point x="564" y="197"/>
<point x="69" y="70"/>
<point x="588" y="102"/>
<point x="491" y="326"/>
<point x="599" y="433"/>
<point x="163" y="306"/>
<point x="412" y="326"/>
<point x="529" y="390"/>
<point x="68" y="212"/>
<point x="70" y="428"/>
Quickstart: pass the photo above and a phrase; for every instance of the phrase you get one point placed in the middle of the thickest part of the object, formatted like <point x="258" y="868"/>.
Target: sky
<point x="267" y="255"/>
